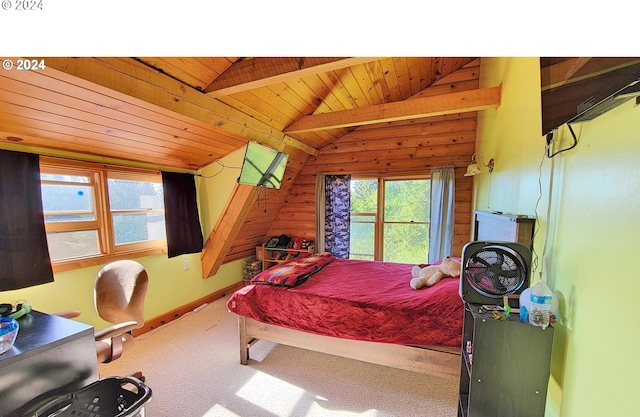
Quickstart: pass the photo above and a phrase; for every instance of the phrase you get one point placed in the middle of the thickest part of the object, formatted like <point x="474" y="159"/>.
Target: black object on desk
<point x="51" y="356"/>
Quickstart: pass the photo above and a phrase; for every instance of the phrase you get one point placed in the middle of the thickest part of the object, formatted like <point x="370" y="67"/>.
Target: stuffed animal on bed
<point x="432" y="274"/>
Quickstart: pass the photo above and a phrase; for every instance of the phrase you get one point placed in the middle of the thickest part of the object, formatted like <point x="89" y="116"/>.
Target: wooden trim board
<point x="176" y="313"/>
<point x="444" y="363"/>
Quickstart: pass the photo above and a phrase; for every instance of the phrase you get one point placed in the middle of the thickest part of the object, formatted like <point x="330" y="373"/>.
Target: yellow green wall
<point x="215" y="186"/>
<point x="170" y="286"/>
<point x="589" y="214"/>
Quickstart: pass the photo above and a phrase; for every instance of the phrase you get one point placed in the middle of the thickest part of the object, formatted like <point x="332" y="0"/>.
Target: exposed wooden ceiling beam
<point x="414" y="108"/>
<point x="134" y="79"/>
<point x="229" y="224"/>
<point x="259" y="72"/>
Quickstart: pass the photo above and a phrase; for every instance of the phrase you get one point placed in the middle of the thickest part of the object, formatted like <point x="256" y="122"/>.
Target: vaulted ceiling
<point x="184" y="113"/>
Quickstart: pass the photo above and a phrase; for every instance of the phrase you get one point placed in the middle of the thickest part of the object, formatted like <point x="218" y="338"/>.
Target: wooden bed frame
<point x="433" y="361"/>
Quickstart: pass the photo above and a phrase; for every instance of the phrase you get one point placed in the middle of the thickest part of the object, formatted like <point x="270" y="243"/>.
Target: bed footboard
<point x="440" y="362"/>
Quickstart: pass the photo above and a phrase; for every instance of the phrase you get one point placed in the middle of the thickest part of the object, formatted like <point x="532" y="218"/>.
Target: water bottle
<point x="540" y="307"/>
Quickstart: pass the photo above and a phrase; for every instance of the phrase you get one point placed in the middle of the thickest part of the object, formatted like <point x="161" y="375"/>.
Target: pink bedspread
<point x="362" y="300"/>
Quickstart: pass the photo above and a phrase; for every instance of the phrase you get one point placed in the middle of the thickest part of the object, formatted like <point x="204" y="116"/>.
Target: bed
<point x="362" y="310"/>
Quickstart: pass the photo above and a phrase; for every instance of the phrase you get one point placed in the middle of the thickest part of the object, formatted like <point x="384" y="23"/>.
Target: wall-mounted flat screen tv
<point x="579" y="89"/>
<point x="262" y="166"/>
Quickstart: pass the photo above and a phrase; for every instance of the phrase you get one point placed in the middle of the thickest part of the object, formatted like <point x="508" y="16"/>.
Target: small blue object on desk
<point x="524" y="314"/>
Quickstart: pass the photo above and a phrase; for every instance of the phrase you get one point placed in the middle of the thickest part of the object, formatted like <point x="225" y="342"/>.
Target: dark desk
<point x="51" y="356"/>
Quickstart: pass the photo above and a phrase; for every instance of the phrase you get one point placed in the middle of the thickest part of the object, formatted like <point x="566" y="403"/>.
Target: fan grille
<point x="495" y="271"/>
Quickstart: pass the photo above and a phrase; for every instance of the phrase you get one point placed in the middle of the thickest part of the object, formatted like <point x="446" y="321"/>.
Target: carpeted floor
<point x="192" y="366"/>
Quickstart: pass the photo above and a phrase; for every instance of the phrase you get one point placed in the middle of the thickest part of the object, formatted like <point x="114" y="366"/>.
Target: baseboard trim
<point x="180" y="311"/>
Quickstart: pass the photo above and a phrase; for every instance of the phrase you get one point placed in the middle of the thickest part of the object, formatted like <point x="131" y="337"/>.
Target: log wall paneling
<point x="413" y="146"/>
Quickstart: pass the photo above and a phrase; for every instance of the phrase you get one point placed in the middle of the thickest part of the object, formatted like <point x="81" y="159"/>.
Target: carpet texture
<point x="192" y="366"/>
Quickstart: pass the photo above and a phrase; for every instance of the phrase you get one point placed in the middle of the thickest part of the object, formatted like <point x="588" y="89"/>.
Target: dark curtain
<point x="24" y="254"/>
<point x="337" y="215"/>
<point x="184" y="234"/>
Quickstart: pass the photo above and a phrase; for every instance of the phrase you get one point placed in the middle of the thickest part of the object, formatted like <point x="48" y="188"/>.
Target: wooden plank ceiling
<point x="184" y="113"/>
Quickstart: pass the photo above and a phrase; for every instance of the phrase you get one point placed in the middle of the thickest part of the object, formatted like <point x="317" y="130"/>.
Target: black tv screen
<point x="262" y="166"/>
<point x="579" y="88"/>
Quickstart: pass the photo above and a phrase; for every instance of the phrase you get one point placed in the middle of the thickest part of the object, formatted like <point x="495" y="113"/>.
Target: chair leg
<point x="116" y="349"/>
<point x="138" y="375"/>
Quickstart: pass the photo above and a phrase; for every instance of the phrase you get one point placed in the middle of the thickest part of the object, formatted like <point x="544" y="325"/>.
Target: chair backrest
<point x="119" y="292"/>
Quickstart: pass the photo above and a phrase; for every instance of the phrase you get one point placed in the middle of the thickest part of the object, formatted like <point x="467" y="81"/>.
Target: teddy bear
<point x="432" y="274"/>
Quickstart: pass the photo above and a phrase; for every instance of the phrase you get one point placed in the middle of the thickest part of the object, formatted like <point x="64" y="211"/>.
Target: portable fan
<point x="491" y="270"/>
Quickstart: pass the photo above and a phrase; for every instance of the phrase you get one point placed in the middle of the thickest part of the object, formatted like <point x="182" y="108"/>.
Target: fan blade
<point x="487" y="258"/>
<point x="498" y="286"/>
<point x="492" y="284"/>
<point x="499" y="257"/>
<point x="510" y="273"/>
<point x="476" y="260"/>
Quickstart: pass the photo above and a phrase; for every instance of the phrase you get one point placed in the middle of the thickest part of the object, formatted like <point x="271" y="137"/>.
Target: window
<point x="136" y="208"/>
<point x="390" y="219"/>
<point x="364" y="215"/>
<point x="94" y="212"/>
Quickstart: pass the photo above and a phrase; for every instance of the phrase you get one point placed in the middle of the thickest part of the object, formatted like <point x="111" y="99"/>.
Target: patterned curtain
<point x="442" y="213"/>
<point x="337" y="201"/>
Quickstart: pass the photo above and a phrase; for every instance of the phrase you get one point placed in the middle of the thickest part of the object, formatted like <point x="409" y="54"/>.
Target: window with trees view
<point x="93" y="211"/>
<point x="390" y="219"/>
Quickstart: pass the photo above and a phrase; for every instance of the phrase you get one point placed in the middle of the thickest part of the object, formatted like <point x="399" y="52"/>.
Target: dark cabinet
<point x="505" y="366"/>
<point x="51" y="356"/>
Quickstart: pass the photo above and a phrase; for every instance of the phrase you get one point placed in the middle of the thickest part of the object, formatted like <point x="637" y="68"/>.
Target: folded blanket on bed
<point x="293" y="272"/>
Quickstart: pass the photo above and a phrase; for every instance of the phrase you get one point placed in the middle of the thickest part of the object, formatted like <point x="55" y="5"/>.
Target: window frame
<point x="99" y="175"/>
<point x="375" y="215"/>
<point x="379" y="215"/>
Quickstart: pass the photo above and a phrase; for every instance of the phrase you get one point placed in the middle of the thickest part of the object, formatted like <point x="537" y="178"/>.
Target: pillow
<point x="293" y="272"/>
